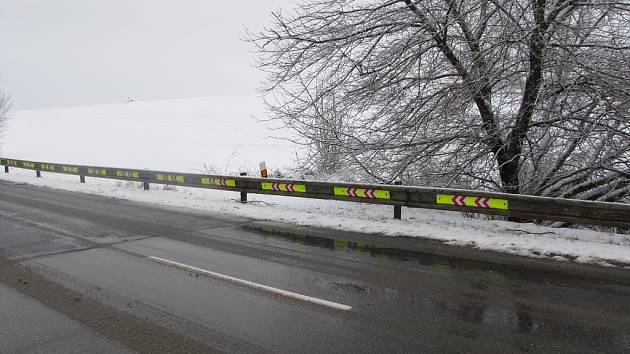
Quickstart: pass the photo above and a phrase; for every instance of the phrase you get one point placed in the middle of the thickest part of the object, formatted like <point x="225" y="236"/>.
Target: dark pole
<point x="82" y="179"/>
<point x="6" y="169"/>
<point x="397" y="208"/>
<point x="38" y="173"/>
<point x="146" y="186"/>
<point x="243" y="194"/>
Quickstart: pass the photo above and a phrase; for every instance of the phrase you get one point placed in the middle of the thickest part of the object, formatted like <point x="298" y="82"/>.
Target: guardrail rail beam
<point x="507" y="205"/>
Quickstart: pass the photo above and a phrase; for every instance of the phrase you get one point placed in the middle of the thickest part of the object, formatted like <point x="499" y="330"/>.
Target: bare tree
<point x="5" y="107"/>
<point x="522" y="96"/>
<point x="322" y="128"/>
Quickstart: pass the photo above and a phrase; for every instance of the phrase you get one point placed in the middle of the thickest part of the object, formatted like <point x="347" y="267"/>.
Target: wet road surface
<point x="30" y="327"/>
<point x="397" y="296"/>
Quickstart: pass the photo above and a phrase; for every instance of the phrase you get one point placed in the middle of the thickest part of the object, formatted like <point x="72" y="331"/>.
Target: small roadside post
<point x="243" y="194"/>
<point x="6" y="168"/>
<point x="398" y="208"/>
<point x="38" y="173"/>
<point x="145" y="184"/>
<point x="263" y="169"/>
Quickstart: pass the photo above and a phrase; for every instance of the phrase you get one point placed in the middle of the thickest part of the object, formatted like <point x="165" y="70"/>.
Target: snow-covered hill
<point x="178" y="135"/>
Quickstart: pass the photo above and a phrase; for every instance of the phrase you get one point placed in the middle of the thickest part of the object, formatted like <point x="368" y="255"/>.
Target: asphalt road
<point x="82" y="273"/>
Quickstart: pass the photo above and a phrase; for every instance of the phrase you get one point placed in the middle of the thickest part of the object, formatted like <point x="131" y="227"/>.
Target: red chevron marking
<point x="275" y="186"/>
<point x="351" y="192"/>
<point x="290" y="187"/>
<point x="370" y="193"/>
<point x="459" y="200"/>
<point x="482" y="202"/>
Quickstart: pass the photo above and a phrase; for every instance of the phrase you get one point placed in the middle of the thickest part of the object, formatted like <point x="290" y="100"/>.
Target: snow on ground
<point x="453" y="228"/>
<point x="181" y="135"/>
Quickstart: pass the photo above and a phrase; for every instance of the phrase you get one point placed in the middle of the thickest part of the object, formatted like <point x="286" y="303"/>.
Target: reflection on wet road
<point x="522" y="315"/>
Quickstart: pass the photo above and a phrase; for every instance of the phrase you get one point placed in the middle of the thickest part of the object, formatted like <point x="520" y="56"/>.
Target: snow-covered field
<point x="181" y="135"/>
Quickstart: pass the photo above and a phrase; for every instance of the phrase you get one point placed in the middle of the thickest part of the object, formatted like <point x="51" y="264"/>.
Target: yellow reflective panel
<point x="341" y="191"/>
<point x="444" y="199"/>
<point x="362" y="192"/>
<point x="499" y="204"/>
<point x="382" y="194"/>
<point x="300" y="188"/>
<point x="473" y="202"/>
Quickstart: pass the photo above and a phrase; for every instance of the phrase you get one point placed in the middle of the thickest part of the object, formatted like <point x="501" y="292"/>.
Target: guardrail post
<point x="6" y="169"/>
<point x="398" y="208"/>
<point x="38" y="173"/>
<point x="82" y="178"/>
<point x="146" y="186"/>
<point x="243" y="194"/>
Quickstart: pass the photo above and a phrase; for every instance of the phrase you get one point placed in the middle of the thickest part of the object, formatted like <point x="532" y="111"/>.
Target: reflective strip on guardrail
<point x="475" y="202"/>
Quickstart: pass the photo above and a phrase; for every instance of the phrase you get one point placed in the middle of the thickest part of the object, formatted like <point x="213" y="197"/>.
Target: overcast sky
<point x="78" y="52"/>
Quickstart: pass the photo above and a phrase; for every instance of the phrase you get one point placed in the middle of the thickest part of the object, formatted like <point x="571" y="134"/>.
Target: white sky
<point x="78" y="52"/>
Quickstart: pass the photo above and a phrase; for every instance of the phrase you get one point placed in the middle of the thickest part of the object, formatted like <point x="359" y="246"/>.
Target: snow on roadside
<point x="583" y="246"/>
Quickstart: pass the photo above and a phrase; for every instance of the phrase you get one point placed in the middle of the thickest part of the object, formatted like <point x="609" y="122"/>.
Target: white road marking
<point x="248" y="283"/>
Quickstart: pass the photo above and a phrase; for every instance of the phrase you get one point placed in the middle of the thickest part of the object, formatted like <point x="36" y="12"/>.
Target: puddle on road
<point x="494" y="271"/>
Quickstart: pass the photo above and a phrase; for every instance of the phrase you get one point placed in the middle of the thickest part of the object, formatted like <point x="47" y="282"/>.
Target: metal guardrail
<point x="518" y="206"/>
